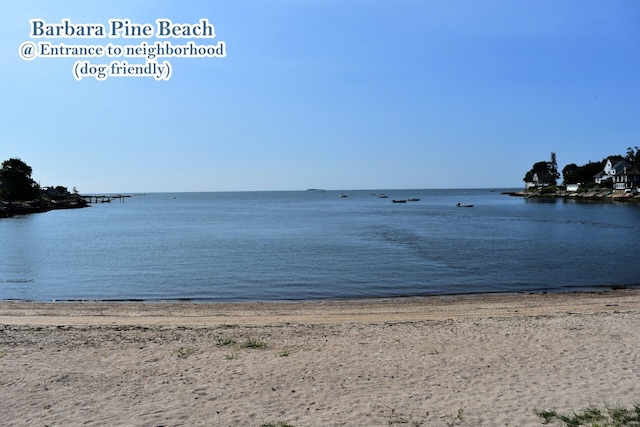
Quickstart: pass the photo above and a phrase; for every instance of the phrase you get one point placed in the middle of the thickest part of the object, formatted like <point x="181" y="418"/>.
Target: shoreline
<point x="42" y="205"/>
<point x="607" y="195"/>
<point x="493" y="359"/>
<point x="444" y="307"/>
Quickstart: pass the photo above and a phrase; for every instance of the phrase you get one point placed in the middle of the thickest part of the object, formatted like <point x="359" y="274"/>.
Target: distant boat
<point x="342" y="196"/>
<point x="383" y="196"/>
<point x="414" y="200"/>
<point x="460" y="205"/>
<point x="398" y="201"/>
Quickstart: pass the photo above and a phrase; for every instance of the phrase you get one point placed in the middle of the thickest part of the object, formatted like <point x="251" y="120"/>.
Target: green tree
<point x="573" y="174"/>
<point x="553" y="168"/>
<point x="633" y="156"/>
<point x="569" y="174"/>
<point x="546" y="172"/>
<point x="538" y="168"/>
<point x="16" y="182"/>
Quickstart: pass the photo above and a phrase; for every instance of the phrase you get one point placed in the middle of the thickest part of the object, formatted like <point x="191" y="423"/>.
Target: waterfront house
<point x="540" y="179"/>
<point x="626" y="179"/>
<point x="622" y="175"/>
<point x="613" y="164"/>
<point x="543" y="179"/>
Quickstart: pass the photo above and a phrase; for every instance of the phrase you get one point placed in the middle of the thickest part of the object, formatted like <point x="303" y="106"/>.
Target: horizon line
<point x="311" y="189"/>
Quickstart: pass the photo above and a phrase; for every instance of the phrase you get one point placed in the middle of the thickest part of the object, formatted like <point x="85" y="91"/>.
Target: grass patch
<point x="593" y="416"/>
<point x="251" y="343"/>
<point x="284" y="353"/>
<point x="223" y="342"/>
<point x="184" y="352"/>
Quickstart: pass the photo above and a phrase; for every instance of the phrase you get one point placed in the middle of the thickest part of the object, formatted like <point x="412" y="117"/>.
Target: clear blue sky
<point x="329" y="94"/>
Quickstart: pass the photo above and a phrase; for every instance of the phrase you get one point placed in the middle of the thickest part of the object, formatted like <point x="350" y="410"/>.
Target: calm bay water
<point x="259" y="246"/>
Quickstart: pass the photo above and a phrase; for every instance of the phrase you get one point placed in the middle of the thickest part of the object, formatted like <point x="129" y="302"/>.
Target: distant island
<point x="616" y="177"/>
<point x="21" y="195"/>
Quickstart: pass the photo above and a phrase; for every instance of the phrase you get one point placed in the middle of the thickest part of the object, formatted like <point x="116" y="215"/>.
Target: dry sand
<point x="404" y="362"/>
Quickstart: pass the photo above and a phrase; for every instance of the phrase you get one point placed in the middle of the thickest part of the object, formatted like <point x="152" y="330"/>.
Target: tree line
<point x="16" y="184"/>
<point x="547" y="171"/>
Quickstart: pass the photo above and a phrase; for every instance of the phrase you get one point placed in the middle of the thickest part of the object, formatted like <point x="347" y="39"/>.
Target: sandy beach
<point x="392" y="362"/>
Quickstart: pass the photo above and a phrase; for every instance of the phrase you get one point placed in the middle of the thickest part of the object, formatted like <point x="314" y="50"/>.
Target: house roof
<point x="632" y="171"/>
<point x="620" y="166"/>
<point x="615" y="159"/>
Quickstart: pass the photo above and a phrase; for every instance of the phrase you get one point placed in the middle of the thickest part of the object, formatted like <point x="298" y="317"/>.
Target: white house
<point x="612" y="164"/>
<point x="628" y="178"/>
<point x="621" y="173"/>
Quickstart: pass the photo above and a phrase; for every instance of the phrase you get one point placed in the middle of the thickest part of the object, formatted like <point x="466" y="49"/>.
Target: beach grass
<point x="593" y="416"/>
<point x="284" y="352"/>
<point x="253" y="343"/>
<point x="223" y="342"/>
<point x="184" y="352"/>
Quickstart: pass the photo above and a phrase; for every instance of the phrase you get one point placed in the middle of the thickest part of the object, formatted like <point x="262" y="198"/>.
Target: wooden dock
<point x="104" y="199"/>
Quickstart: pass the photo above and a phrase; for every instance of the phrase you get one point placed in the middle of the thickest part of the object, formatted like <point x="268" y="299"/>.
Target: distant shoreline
<point x="11" y="209"/>
<point x="597" y="195"/>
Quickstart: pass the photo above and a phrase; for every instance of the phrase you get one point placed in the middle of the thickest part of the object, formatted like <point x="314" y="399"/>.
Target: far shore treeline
<point x="545" y="173"/>
<point x="20" y="194"/>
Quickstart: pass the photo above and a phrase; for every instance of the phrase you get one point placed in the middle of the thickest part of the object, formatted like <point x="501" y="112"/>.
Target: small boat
<point x="342" y="196"/>
<point x="460" y="205"/>
<point x="414" y="200"/>
<point x="383" y="196"/>
<point x="398" y="201"/>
